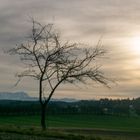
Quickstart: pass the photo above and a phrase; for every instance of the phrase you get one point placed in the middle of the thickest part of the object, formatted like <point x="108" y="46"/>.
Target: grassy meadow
<point x="80" y="127"/>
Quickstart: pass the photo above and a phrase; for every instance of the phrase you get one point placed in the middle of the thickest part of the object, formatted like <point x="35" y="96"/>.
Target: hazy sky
<point x="116" y="21"/>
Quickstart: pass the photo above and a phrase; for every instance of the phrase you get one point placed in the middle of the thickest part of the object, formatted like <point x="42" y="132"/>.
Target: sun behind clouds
<point x="135" y="44"/>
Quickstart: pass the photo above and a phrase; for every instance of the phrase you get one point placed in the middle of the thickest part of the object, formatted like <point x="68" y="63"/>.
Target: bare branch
<point x="51" y="61"/>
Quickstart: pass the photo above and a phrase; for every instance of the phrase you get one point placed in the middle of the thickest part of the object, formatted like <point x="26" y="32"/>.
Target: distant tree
<point x="52" y="62"/>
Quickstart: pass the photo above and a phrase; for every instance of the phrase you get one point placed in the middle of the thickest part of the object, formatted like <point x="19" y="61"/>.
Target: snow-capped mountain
<point x="15" y="96"/>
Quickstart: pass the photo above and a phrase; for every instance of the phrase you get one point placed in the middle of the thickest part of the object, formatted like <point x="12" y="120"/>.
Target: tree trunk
<point x="43" y="116"/>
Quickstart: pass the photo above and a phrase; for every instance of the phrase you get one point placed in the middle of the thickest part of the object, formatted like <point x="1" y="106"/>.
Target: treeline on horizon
<point x="123" y="107"/>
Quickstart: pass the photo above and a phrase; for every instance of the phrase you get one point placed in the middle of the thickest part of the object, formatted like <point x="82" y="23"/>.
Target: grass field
<point x="79" y="121"/>
<point x="89" y="125"/>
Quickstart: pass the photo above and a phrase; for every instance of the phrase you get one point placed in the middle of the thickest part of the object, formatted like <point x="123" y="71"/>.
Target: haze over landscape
<point x="115" y="22"/>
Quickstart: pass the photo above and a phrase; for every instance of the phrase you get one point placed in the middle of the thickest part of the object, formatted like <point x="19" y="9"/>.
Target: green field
<point x="79" y="121"/>
<point x="104" y="126"/>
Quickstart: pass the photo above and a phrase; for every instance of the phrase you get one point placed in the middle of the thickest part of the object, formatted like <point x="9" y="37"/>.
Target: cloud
<point x="80" y="21"/>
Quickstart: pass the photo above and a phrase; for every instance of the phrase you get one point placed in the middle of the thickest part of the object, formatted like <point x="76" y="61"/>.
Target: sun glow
<point x="134" y="51"/>
<point x="135" y="44"/>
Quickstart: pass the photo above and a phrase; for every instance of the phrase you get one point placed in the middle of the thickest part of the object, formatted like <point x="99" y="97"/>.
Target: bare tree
<point x="53" y="62"/>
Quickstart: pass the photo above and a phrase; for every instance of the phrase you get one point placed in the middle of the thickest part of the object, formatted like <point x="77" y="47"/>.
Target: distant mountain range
<point x="22" y="96"/>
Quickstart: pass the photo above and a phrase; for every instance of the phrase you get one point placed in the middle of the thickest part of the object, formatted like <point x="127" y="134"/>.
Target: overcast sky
<point x="117" y="22"/>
